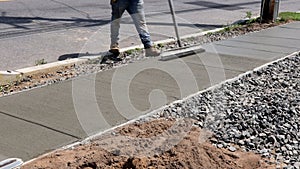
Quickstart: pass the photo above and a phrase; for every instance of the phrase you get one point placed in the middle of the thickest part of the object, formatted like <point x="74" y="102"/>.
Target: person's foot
<point x="111" y="57"/>
<point x="114" y="49"/>
<point x="152" y="52"/>
<point x="114" y="58"/>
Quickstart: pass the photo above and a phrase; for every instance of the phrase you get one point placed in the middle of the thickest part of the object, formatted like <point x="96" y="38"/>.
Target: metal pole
<point x="276" y="10"/>
<point x="174" y="21"/>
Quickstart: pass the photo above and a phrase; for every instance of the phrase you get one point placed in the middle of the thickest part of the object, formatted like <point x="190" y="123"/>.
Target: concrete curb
<point x="12" y="76"/>
<point x="49" y="67"/>
<point x="9" y="76"/>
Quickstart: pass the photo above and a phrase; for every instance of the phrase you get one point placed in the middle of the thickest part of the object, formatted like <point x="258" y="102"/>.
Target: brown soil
<point x="190" y="152"/>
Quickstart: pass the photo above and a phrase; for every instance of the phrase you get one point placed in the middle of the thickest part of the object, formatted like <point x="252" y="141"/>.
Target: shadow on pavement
<point x="76" y="55"/>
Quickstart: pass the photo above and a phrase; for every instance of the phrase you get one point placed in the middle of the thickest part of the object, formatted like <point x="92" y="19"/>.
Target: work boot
<point x="115" y="49"/>
<point x="152" y="52"/>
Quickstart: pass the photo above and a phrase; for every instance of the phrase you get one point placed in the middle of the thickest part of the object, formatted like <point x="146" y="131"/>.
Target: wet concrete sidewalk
<point x="40" y="120"/>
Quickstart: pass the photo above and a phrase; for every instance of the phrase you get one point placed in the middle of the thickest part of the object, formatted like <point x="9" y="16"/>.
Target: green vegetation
<point x="253" y="20"/>
<point x="160" y="45"/>
<point x="5" y="88"/>
<point x="133" y="51"/>
<point x="209" y="33"/>
<point x="230" y="27"/>
<point x="40" y="62"/>
<point x="248" y="15"/>
<point x="250" y="19"/>
<point x="285" y="16"/>
<point x="129" y="52"/>
<point x="138" y="49"/>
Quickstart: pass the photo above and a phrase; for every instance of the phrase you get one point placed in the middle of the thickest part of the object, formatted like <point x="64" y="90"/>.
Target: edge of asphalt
<point x="15" y="75"/>
<point x="150" y="114"/>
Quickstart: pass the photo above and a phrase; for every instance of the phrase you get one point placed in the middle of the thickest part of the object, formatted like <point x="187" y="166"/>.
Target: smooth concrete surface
<point x="51" y="106"/>
<point x="42" y="119"/>
<point x="20" y="138"/>
<point x="274" y="41"/>
<point x="268" y="44"/>
<point x="256" y="46"/>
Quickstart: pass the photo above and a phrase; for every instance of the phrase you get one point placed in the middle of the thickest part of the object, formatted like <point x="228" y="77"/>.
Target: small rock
<point x="241" y="142"/>
<point x="262" y="135"/>
<point x="232" y="149"/>
<point x="220" y="145"/>
<point x="263" y="151"/>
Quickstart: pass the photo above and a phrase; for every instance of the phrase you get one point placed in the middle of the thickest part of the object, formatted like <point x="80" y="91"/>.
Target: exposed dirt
<point x="190" y="152"/>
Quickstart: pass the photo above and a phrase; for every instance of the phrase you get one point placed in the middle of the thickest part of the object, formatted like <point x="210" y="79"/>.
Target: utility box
<point x="269" y="10"/>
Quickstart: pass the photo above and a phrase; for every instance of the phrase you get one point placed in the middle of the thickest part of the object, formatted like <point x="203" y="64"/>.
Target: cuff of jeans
<point x="148" y="45"/>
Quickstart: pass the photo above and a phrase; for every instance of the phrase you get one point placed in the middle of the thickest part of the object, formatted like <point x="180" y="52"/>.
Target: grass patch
<point x="252" y="20"/>
<point x="248" y="15"/>
<point x="5" y="88"/>
<point x="285" y="16"/>
<point x="230" y="28"/>
<point x="40" y="62"/>
<point x="133" y="51"/>
<point x="129" y="52"/>
<point x="138" y="49"/>
<point x="160" y="45"/>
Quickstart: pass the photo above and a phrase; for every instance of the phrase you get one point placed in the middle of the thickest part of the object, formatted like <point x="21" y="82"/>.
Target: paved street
<point x="31" y="30"/>
<point x="40" y="120"/>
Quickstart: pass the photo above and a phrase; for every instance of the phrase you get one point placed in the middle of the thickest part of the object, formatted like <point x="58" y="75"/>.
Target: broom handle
<point x="175" y="23"/>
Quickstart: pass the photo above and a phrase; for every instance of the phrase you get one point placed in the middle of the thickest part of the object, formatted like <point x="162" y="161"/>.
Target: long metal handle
<point x="175" y="23"/>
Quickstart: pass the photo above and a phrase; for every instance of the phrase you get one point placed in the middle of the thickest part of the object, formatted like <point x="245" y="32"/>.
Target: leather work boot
<point x="152" y="52"/>
<point x="114" y="49"/>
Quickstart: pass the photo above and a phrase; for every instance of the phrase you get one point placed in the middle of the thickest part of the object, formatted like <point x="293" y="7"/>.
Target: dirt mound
<point x="190" y="152"/>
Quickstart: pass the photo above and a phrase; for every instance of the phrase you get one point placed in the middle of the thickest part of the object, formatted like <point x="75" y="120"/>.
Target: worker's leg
<point x="136" y="11"/>
<point x="118" y="7"/>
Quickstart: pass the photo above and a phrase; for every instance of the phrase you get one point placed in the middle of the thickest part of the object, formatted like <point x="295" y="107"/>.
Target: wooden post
<point x="269" y="10"/>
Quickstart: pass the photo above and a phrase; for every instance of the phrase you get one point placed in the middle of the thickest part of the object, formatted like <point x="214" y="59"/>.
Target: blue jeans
<point x="136" y="10"/>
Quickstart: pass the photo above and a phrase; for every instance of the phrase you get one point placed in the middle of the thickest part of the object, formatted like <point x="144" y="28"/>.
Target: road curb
<point x="50" y="66"/>
<point x="7" y="77"/>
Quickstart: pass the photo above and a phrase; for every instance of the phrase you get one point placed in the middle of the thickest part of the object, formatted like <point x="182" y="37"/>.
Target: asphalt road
<point x="31" y="30"/>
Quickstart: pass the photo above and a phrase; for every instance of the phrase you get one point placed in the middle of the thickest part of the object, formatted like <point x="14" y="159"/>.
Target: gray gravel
<point x="260" y="112"/>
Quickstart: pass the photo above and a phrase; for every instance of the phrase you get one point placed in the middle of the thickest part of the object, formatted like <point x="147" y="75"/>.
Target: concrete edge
<point x="11" y="76"/>
<point x="90" y="138"/>
<point x="49" y="67"/>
